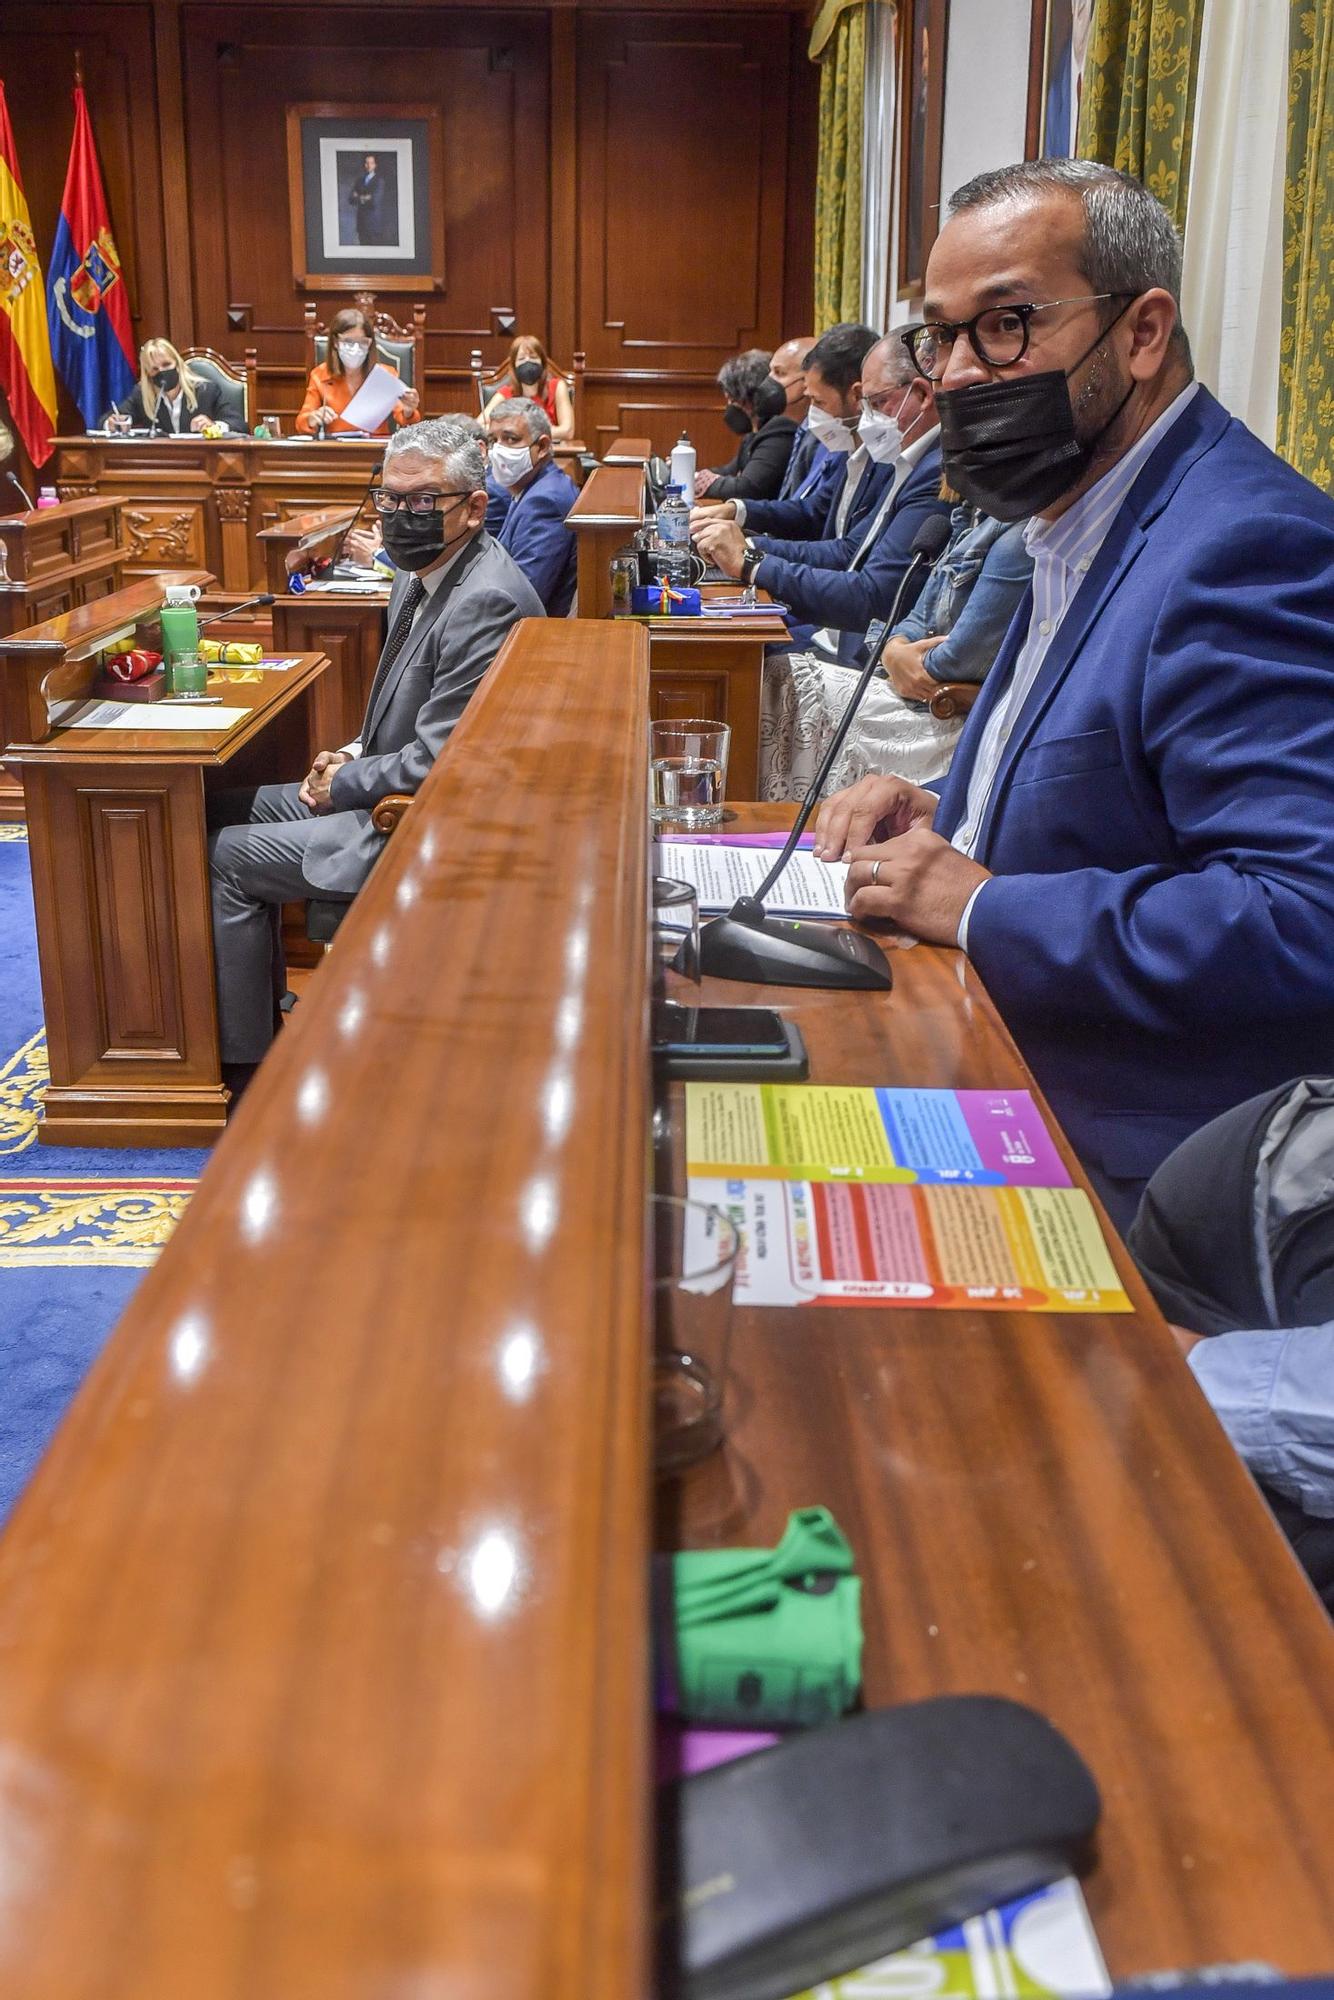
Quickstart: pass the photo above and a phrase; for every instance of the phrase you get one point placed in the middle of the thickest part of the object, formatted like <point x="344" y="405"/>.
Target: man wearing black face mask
<point x="1136" y="839"/>
<point x="756" y="413"/>
<point x="457" y="597"/>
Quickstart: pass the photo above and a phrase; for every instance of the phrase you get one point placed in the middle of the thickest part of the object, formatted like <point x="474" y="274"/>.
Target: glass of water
<point x="694" y="1261"/>
<point x="688" y="760"/>
<point x="675" y="960"/>
<point x="189" y="676"/>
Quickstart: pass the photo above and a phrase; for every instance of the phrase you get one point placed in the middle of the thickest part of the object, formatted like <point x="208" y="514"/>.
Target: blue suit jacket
<point x="497" y="505"/>
<point x="807" y="456"/>
<point x="814" y="580"/>
<point x="1160" y="932"/>
<point x="811" y="518"/>
<point x="535" y="534"/>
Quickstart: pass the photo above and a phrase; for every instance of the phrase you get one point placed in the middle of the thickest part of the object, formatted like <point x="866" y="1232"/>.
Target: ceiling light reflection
<point x="189" y="1347"/>
<point x="312" y="1100"/>
<point x="259" y="1205"/>
<point x="538" y="1210"/>
<point x="492" y="1570"/>
<point x="520" y="1355"/>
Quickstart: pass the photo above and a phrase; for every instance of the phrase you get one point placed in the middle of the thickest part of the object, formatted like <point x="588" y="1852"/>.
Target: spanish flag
<point x="26" y="374"/>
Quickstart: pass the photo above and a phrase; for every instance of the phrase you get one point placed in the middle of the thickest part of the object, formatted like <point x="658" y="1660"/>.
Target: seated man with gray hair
<point x="541" y="495"/>
<point x="455" y="600"/>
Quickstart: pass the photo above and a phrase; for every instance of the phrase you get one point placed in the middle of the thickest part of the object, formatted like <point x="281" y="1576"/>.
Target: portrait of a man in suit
<point x="369" y="199"/>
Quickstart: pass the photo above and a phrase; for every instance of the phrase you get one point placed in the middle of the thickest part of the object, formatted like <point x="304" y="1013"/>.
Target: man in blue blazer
<point x="521" y="459"/>
<point x="1135" y="843"/>
<point x="841" y="491"/>
<point x="836" y="589"/>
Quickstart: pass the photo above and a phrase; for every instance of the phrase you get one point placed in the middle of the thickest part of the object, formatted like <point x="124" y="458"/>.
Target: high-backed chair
<point x="239" y="386"/>
<point x="405" y="346"/>
<point x="485" y="380"/>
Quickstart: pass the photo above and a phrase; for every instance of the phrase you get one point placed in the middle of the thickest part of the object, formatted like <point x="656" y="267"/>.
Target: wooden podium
<point x="116" y="823"/>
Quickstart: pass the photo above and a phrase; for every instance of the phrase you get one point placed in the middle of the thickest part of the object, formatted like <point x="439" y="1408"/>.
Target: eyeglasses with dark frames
<point x="998" y="337"/>
<point x="385" y="502"/>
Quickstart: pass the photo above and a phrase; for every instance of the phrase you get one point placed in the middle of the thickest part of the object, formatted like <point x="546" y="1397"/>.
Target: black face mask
<point x="736" y="420"/>
<point x="415" y="541"/>
<point x="770" y="401"/>
<point x="529" y="373"/>
<point x="1011" y="447"/>
<point x="165" y="379"/>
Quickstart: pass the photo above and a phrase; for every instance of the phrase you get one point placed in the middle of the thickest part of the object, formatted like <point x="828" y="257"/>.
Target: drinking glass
<point x="694" y="1262"/>
<point x="688" y="760"/>
<point x="189" y="676"/>
<point x="675" y="959"/>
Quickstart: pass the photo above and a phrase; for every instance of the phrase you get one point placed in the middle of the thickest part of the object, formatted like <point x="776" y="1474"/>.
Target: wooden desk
<point x="59" y="558"/>
<point x="200" y="500"/>
<point x="607" y="513"/>
<point x="1044" y="1507"/>
<point x="116" y="823"/>
<point x="323" y="1626"/>
<point x="350" y="632"/>
<point x="295" y="543"/>
<point x="706" y="667"/>
<point x="628" y="451"/>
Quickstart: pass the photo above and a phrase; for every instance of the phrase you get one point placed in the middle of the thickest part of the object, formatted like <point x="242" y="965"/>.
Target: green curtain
<point x="1306" y="353"/>
<point x="1137" y="110"/>
<point x="838" y="186"/>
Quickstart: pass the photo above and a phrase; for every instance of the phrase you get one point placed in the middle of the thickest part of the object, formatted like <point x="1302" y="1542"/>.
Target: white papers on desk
<point x="806" y="887"/>
<point x="374" y="399"/>
<point x="207" y="717"/>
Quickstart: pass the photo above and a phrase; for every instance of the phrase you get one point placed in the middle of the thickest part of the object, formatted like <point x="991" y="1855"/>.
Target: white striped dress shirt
<point x="1063" y="553"/>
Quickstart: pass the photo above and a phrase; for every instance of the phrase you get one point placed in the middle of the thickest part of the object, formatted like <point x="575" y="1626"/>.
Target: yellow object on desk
<point x="231" y="652"/>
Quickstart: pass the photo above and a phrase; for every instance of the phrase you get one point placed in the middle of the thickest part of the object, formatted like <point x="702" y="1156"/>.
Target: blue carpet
<point x="78" y="1225"/>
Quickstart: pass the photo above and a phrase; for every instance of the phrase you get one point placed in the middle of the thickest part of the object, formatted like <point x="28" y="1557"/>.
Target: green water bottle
<point x="180" y="627"/>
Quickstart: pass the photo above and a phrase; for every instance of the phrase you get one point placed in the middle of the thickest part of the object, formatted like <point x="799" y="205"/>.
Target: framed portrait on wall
<point x="364" y="184"/>
<point x="1057" y="51"/>
<point x="923" y="29"/>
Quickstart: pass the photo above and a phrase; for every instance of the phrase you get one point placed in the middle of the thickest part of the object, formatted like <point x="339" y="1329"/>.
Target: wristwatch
<point x="751" y="558"/>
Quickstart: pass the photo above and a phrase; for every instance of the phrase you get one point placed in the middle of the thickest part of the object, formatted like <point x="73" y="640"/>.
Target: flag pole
<point x="78" y="69"/>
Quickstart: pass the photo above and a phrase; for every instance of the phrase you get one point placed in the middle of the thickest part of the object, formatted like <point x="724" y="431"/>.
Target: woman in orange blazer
<point x="336" y="380"/>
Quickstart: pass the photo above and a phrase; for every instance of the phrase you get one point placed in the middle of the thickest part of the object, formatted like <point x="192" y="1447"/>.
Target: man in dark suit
<point x="838" y="587"/>
<point x="522" y="462"/>
<point x="367" y="199"/>
<point x="457" y="597"/>
<point x="1135" y="842"/>
<point x="842" y="491"/>
<point x="788" y="367"/>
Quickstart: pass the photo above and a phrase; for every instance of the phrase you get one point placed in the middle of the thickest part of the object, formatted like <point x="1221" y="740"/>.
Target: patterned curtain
<point x="1138" y="105"/>
<point x="1306" y="354"/>
<point x="838" y="186"/>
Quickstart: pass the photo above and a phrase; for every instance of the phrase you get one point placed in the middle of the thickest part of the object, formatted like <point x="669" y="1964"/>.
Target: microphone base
<point x="762" y="950"/>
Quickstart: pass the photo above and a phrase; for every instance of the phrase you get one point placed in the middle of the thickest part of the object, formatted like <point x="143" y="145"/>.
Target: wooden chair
<point x="325" y="913"/>
<point x="405" y="346"/>
<point x="240" y="386"/>
<point x="485" y="379"/>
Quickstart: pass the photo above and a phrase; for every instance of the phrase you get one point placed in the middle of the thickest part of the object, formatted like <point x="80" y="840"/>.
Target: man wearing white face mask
<point x="846" y="485"/>
<point x="840" y="586"/>
<point x="541" y="495"/>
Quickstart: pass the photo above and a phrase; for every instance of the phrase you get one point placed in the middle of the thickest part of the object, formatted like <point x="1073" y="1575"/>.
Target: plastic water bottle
<point x="683" y="465"/>
<point x="672" y="522"/>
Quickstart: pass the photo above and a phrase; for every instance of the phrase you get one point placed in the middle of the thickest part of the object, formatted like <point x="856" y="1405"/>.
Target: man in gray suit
<point x="455" y="599"/>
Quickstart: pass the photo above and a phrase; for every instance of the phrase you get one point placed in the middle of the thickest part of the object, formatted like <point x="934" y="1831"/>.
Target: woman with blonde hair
<point x="351" y="355"/>
<point x="169" y="397"/>
<point x="529" y="371"/>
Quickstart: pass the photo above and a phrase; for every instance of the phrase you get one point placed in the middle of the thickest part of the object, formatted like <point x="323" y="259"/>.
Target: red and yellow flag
<point x="26" y="374"/>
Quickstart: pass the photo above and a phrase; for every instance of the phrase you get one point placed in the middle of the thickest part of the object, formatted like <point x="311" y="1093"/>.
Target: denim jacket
<point x="970" y="596"/>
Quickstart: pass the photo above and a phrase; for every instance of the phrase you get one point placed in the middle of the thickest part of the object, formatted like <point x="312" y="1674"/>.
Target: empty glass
<point x="694" y="1261"/>
<point x="688" y="762"/>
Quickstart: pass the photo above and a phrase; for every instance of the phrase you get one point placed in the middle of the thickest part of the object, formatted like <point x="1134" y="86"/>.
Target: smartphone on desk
<point x="728" y="1044"/>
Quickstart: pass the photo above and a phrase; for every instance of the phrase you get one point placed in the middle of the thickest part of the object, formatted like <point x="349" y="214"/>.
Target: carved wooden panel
<point x="132" y="902"/>
<point x="718" y="680"/>
<point x="487" y="70"/>
<point x="165" y="534"/>
<point x="682" y="130"/>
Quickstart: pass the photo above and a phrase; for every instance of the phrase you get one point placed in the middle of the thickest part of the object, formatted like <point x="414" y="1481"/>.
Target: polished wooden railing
<point x="323" y="1632"/>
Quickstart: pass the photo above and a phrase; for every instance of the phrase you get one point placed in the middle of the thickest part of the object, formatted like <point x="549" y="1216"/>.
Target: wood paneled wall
<point x="636" y="184"/>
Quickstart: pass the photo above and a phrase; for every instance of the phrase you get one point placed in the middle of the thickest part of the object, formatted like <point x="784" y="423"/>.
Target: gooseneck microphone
<point x="22" y="491"/>
<point x="352" y="520"/>
<point x="233" y="610"/>
<point x="783" y="951"/>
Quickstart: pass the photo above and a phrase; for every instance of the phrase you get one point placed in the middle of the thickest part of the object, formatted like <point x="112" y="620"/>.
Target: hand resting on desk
<point x="900" y="871"/>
